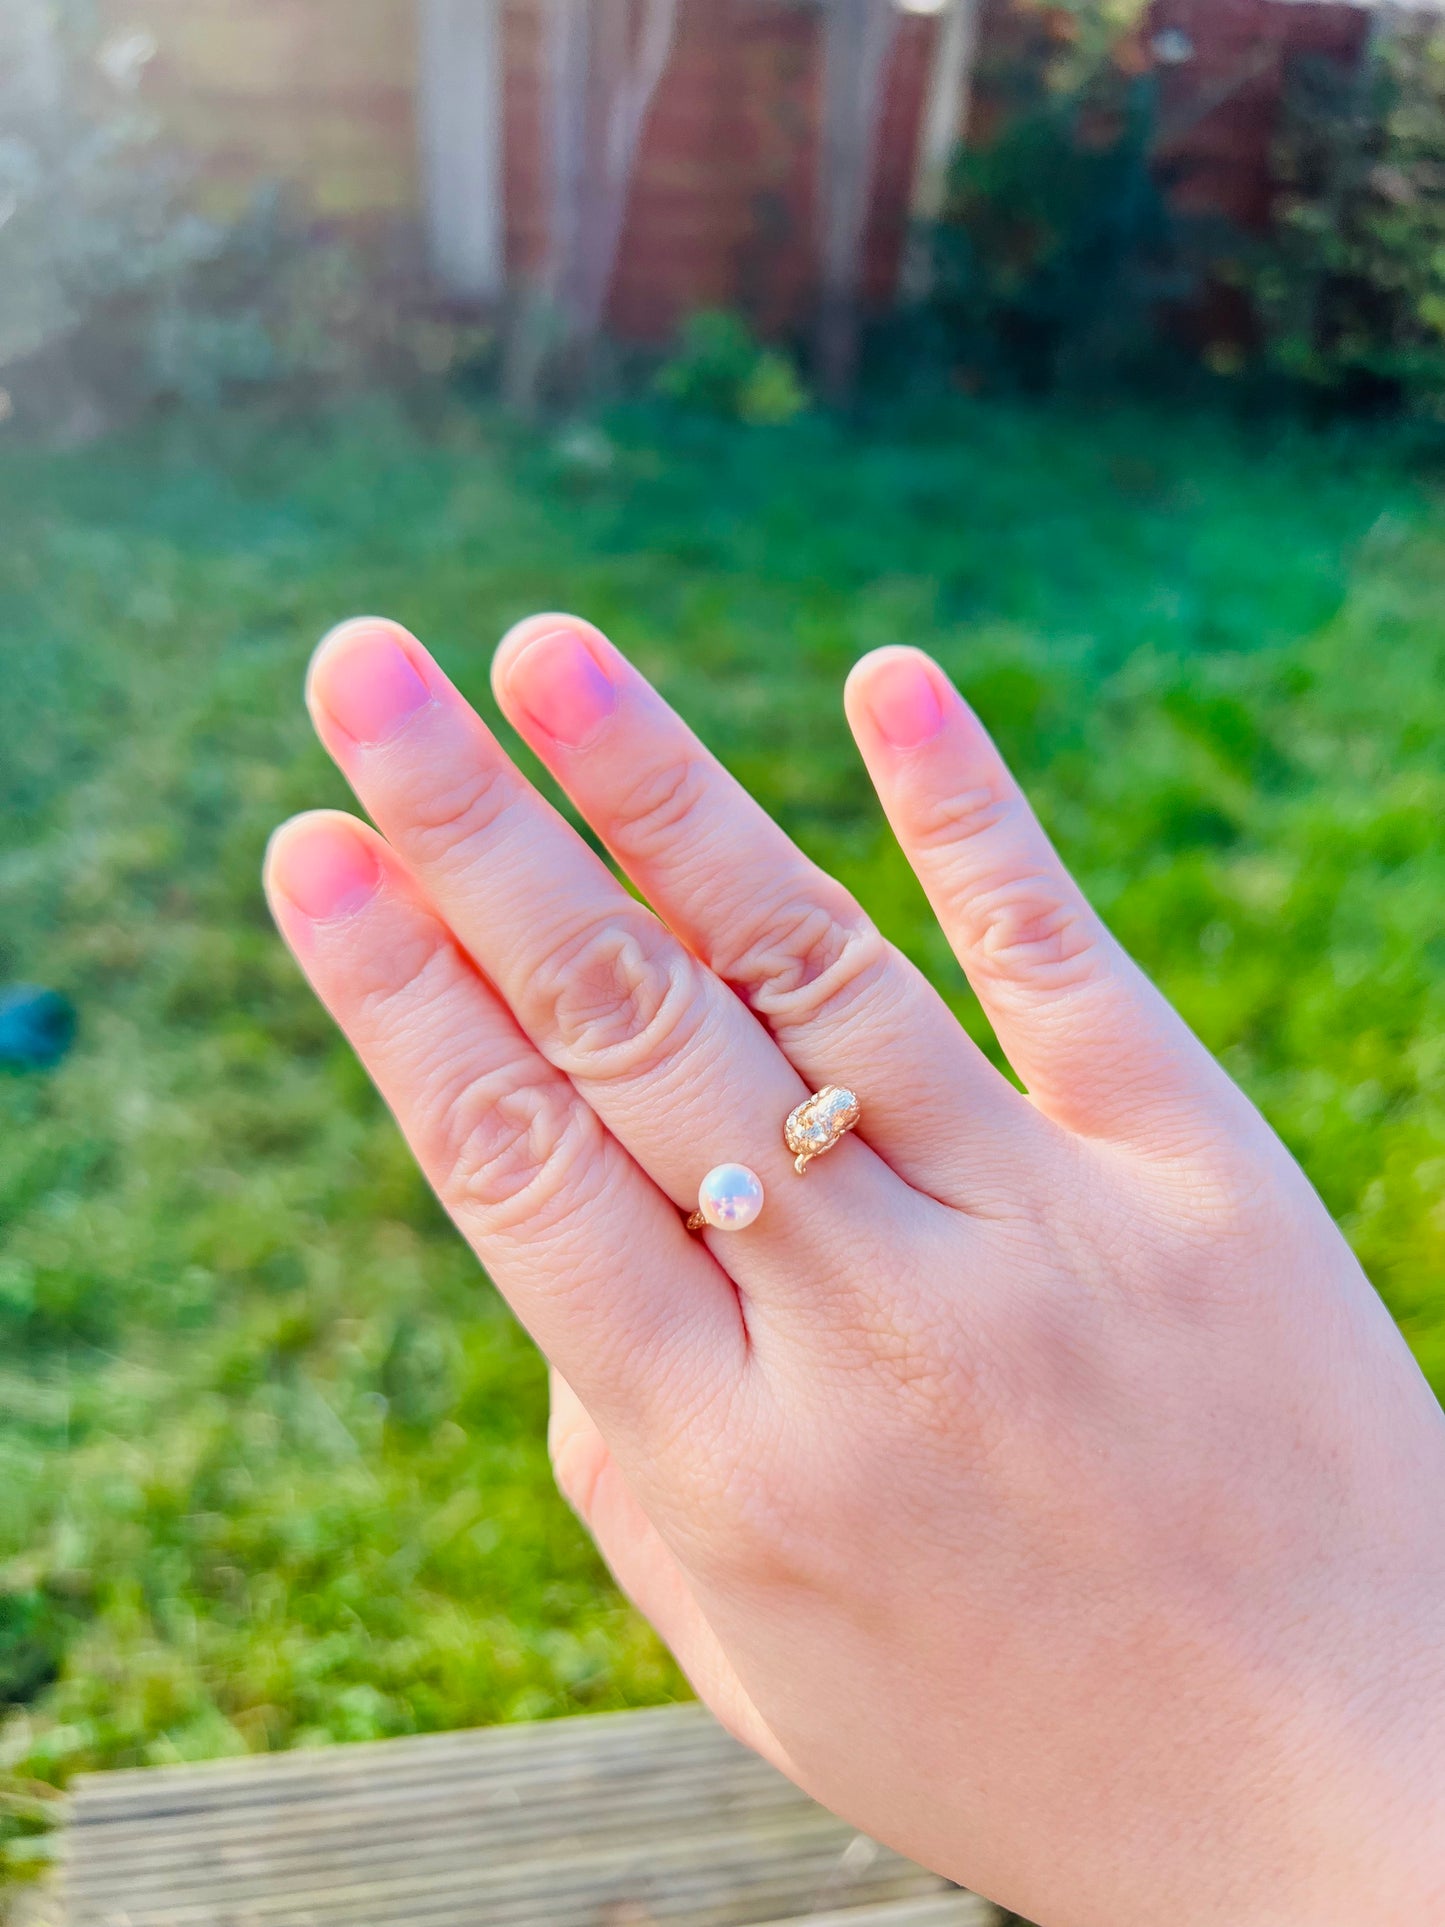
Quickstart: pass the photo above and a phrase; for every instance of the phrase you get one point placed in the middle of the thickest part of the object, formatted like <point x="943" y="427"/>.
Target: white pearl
<point x="730" y="1197"/>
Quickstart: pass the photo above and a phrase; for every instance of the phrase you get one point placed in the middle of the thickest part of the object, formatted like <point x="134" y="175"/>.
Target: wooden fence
<point x="337" y="99"/>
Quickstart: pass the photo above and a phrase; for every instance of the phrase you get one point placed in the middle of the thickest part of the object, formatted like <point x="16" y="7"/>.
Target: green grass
<point x="271" y="1469"/>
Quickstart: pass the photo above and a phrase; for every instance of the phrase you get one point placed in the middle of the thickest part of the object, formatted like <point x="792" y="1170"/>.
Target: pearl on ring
<point x="729" y="1197"/>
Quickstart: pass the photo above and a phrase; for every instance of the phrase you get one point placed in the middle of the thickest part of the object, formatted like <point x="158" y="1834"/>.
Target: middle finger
<point x="843" y="1004"/>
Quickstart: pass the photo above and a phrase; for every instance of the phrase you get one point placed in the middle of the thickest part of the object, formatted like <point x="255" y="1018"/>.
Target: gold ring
<point x="820" y="1122"/>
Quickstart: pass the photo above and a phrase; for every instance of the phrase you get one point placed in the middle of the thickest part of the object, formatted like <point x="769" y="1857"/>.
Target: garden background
<point x="271" y="1450"/>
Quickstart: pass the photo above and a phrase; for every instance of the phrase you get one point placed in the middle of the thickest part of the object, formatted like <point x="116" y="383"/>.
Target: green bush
<point x="92" y="228"/>
<point x="1058" y="258"/>
<point x="721" y="369"/>
<point x="1056" y="247"/>
<point x="114" y="295"/>
<point x="32" y="1644"/>
<point x="271" y="307"/>
<point x="1350" y="291"/>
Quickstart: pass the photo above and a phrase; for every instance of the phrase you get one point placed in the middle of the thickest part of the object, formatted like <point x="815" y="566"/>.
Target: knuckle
<point x="659" y="803"/>
<point x="410" y="973"/>
<point x="963" y="816"/>
<point x="446" y="818"/>
<point x="619" y="1000"/>
<point x="807" y="962"/>
<point x="1029" y="929"/>
<point x="1017" y="920"/>
<point x="1223" y="1195"/>
<point x="515" y="1150"/>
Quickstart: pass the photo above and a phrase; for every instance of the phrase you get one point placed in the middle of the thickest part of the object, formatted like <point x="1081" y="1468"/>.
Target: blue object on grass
<point x="37" y="1028"/>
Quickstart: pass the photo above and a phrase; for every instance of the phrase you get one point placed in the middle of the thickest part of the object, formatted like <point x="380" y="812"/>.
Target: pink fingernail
<point x="904" y="703"/>
<point x="562" y="687"/>
<point x="368" y="684"/>
<point x="327" y="871"/>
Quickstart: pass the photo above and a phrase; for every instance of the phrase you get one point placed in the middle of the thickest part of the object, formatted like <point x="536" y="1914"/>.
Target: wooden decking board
<point x="657" y="1732"/>
<point x="677" y="1882"/>
<point x="563" y="1812"/>
<point x="463" y="1909"/>
<point x="490" y="1754"/>
<point x="282" y="1838"/>
<point x="652" y="1819"/>
<point x="170" y="1860"/>
<point x="943" y="1910"/>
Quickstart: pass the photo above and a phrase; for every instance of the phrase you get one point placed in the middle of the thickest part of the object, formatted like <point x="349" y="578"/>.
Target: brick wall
<point x="721" y="211"/>
<point x="1219" y="160"/>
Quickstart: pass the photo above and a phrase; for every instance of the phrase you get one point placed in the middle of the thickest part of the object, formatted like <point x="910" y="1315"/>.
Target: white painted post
<point x="603" y="61"/>
<point x="857" y="40"/>
<point x="460" y="107"/>
<point x="944" y="124"/>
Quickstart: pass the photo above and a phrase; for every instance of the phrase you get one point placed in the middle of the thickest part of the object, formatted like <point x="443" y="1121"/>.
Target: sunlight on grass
<point x="271" y="1461"/>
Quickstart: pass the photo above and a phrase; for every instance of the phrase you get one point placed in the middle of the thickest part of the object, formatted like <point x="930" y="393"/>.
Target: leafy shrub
<point x="1059" y="257"/>
<point x="270" y="307"/>
<point x="114" y="295"/>
<point x="1351" y="290"/>
<point x="89" y="225"/>
<point x="1057" y="252"/>
<point x="722" y="369"/>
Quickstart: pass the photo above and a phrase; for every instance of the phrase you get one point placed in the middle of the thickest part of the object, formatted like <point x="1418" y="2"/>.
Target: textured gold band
<point x="819" y="1123"/>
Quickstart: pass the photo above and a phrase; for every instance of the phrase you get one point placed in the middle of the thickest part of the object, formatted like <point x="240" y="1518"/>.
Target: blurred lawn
<point x="271" y="1464"/>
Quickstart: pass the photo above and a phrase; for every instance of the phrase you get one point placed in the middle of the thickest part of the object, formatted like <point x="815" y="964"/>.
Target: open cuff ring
<point x="820" y="1122"/>
<point x="731" y="1196"/>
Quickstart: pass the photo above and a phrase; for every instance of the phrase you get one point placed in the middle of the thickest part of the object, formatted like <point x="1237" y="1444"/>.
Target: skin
<point x="1039" y="1482"/>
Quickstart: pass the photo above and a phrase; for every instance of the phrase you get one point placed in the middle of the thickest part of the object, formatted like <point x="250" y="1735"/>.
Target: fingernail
<point x="327" y="872"/>
<point x="368" y="684"/>
<point x="562" y="687"/>
<point x="904" y="703"/>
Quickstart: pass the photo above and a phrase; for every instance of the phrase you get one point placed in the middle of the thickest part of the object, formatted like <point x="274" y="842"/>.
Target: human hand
<point x="1038" y="1481"/>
